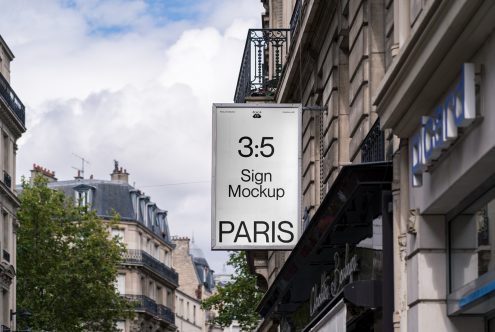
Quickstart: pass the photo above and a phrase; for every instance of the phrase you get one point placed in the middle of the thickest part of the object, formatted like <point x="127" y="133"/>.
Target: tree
<point x="237" y="300"/>
<point x="66" y="265"/>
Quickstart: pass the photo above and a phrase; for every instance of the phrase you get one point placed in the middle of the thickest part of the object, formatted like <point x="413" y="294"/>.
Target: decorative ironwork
<point x="7" y="179"/>
<point x="144" y="303"/>
<point x="262" y="63"/>
<point x="5" y="328"/>
<point x="294" y="20"/>
<point x="15" y="104"/>
<point x="165" y="313"/>
<point x="373" y="146"/>
<point x="6" y="255"/>
<point x="140" y="257"/>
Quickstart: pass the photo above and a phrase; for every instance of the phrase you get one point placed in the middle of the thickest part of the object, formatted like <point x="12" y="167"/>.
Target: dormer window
<point x="83" y="195"/>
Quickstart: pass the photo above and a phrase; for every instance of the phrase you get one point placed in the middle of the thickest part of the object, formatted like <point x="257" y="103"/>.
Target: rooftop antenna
<point x="83" y="161"/>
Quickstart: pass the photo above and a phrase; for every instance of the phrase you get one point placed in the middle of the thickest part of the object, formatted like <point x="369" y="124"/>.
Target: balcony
<point x="7" y="180"/>
<point x="373" y="146"/>
<point x="11" y="99"/>
<point x="262" y="63"/>
<point x="145" y="304"/>
<point x="142" y="258"/>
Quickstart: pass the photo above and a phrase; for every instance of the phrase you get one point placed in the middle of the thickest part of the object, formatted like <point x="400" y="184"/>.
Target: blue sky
<point x="132" y="81"/>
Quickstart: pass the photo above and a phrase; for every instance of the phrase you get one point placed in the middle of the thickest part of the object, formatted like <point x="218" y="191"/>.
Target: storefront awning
<point x="343" y="218"/>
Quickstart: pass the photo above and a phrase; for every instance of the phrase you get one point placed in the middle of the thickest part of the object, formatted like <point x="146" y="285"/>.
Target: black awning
<point x="344" y="217"/>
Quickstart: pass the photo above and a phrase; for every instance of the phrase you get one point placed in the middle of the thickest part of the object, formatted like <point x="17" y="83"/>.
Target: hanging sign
<point x="256" y="176"/>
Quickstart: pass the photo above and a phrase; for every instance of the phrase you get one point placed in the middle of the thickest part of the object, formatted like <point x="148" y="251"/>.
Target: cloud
<point x="140" y="94"/>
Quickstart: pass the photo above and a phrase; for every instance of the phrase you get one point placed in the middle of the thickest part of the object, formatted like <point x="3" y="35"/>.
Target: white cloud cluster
<point x="140" y="94"/>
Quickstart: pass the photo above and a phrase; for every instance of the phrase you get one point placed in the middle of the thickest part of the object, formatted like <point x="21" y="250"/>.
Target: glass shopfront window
<point x="472" y="239"/>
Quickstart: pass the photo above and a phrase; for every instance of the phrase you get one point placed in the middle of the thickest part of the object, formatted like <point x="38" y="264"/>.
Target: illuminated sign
<point x="256" y="176"/>
<point x="438" y="131"/>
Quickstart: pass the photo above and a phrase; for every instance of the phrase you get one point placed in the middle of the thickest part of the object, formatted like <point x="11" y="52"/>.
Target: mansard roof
<point x="130" y="203"/>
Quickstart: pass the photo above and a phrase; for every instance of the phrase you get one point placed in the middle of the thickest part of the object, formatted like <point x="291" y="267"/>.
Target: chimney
<point x="46" y="173"/>
<point x="119" y="174"/>
<point x="78" y="176"/>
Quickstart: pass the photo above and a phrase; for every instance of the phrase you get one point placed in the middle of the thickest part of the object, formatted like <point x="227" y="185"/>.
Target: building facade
<point x="196" y="283"/>
<point x="145" y="275"/>
<point x="397" y="163"/>
<point x="330" y="57"/>
<point x="12" y="126"/>
<point x="436" y="97"/>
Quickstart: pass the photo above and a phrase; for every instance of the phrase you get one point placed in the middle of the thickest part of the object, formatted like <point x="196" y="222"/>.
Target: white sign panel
<point x="256" y="176"/>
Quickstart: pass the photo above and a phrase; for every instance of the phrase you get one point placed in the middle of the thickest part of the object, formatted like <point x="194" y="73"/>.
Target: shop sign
<point x="438" y="131"/>
<point x="256" y="176"/>
<point x="332" y="283"/>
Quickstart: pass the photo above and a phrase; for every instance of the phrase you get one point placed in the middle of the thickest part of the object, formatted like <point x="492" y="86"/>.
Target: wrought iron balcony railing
<point x="165" y="313"/>
<point x="141" y="257"/>
<point x="15" y="104"/>
<point x="144" y="303"/>
<point x="373" y="146"/>
<point x="262" y="63"/>
<point x="7" y="179"/>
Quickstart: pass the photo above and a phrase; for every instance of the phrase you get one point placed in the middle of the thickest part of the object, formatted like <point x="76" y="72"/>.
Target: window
<point x="6" y="152"/>
<point x="181" y="307"/>
<point x="187" y="310"/>
<point x="83" y="195"/>
<point x="194" y="314"/>
<point x="6" y="231"/>
<point x="6" y="306"/>
<point x="159" y="297"/>
<point x="156" y="252"/>
<point x="170" y="299"/>
<point x="151" y="290"/>
<point x="118" y="233"/>
<point x="120" y="283"/>
<point x="472" y="239"/>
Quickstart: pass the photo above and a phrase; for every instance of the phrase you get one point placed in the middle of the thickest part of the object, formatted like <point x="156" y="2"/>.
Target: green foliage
<point x="237" y="300"/>
<point x="66" y="265"/>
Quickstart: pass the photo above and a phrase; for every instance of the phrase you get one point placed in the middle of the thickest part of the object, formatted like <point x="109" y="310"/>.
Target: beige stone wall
<point x="9" y="133"/>
<point x="5" y="59"/>
<point x="183" y="264"/>
<point x="189" y="316"/>
<point x="137" y="280"/>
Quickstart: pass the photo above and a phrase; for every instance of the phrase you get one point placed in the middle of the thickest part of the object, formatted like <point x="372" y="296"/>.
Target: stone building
<point x="146" y="275"/>
<point x="330" y="57"/>
<point x="196" y="283"/>
<point x="12" y="126"/>
<point x="397" y="163"/>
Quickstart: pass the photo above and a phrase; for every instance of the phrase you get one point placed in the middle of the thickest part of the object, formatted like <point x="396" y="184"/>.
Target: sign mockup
<point x="256" y="176"/>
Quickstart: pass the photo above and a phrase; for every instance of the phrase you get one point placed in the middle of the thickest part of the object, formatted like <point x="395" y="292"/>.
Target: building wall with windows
<point x="333" y="63"/>
<point x="196" y="283"/>
<point x="414" y="78"/>
<point x="12" y="126"/>
<point x="435" y="97"/>
<point x="189" y="315"/>
<point x="145" y="275"/>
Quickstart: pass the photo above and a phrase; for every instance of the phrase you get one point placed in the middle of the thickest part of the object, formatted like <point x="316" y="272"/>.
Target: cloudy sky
<point x="131" y="80"/>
